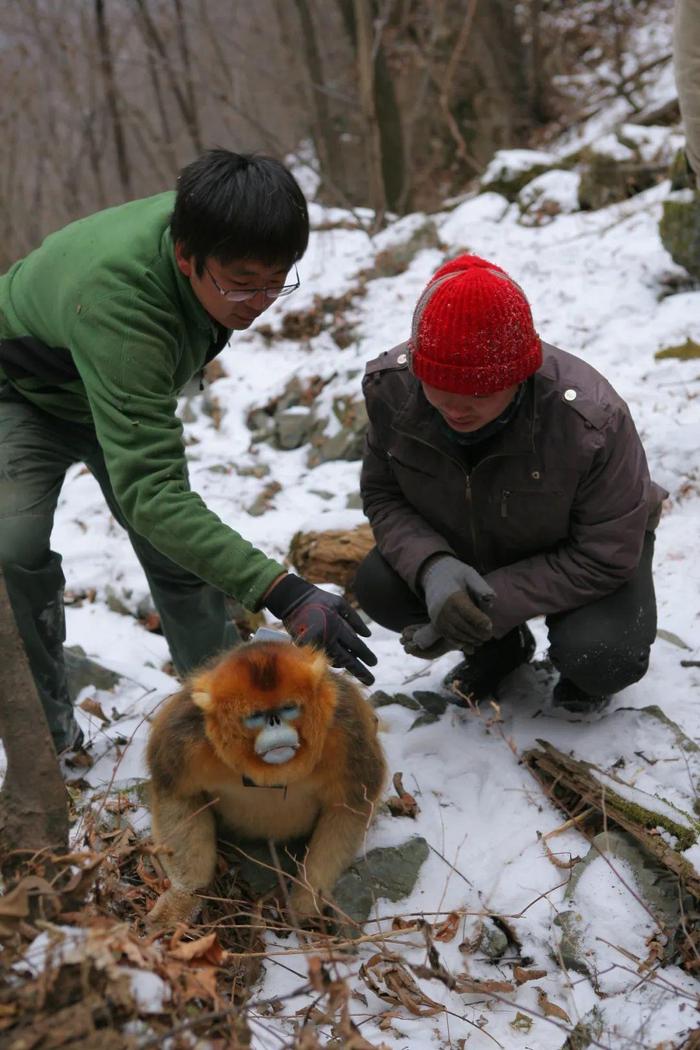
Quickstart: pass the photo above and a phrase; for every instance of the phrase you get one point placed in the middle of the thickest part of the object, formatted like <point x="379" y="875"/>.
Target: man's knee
<point x="601" y="667"/>
<point x="24" y="540"/>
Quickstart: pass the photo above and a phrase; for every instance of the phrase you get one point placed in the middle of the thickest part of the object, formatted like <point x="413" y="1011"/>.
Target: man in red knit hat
<point x="504" y="479"/>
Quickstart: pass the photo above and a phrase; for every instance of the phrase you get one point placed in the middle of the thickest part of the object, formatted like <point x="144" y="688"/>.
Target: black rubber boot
<point x="568" y="697"/>
<point x="480" y="675"/>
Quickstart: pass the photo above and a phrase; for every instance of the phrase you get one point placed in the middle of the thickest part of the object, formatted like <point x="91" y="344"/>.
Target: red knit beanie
<point x="472" y="330"/>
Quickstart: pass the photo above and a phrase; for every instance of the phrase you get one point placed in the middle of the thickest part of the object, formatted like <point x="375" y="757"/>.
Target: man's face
<point x="239" y="276"/>
<point x="466" y="412"/>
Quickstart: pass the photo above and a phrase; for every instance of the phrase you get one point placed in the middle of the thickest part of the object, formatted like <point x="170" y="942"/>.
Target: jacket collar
<point x="416" y="418"/>
<point x="192" y="309"/>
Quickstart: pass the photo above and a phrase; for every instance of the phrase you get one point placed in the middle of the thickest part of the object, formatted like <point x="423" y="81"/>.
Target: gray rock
<point x="348" y="442"/>
<point x="571" y="951"/>
<point x="510" y="170"/>
<point x="115" y="601"/>
<point x="655" y="882"/>
<point x="684" y="742"/>
<point x="354" y="501"/>
<point x="679" y="229"/>
<point x="435" y="703"/>
<point x="390" y="872"/>
<point x="588" y="1030"/>
<point x="81" y="671"/>
<point x="381" y="699"/>
<point x="293" y="427"/>
<point x="611" y="171"/>
<point x="398" y="257"/>
<point x="493" y="942"/>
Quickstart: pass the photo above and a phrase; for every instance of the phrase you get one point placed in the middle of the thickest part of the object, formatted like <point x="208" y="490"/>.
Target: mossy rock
<point x="680" y="173"/>
<point x="398" y="257"/>
<point x="607" y="180"/>
<point x="687" y="351"/>
<point x="679" y="229"/>
<point x="510" y="170"/>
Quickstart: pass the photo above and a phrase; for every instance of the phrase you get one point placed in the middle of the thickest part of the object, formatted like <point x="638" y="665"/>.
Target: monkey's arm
<point x="337" y="838"/>
<point x="186" y="830"/>
<point x="181" y="811"/>
<point x="355" y="771"/>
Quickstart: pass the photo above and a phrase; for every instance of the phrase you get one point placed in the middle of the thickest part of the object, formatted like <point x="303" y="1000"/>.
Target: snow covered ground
<point x="598" y="283"/>
<point x="602" y="286"/>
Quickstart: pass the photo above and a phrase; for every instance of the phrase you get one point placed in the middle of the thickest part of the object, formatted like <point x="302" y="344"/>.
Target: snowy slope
<point x="598" y="285"/>
<point x="602" y="286"/>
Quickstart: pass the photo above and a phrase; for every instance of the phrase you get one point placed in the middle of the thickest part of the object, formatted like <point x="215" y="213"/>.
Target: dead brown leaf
<point x="447" y="930"/>
<point x="390" y="980"/>
<point x="93" y="707"/>
<point x="522" y="975"/>
<point x="196" y="983"/>
<point x="473" y="985"/>
<point x="205" y="949"/>
<point x="151" y="621"/>
<point x="550" y="1009"/>
<point x="405" y="805"/>
<point x="16" y="905"/>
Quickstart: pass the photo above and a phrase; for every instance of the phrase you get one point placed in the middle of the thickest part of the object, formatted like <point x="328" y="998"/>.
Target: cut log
<point x="331" y="556"/>
<point x="577" y="786"/>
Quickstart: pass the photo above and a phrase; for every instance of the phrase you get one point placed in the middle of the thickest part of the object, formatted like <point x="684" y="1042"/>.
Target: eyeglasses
<point x="241" y="295"/>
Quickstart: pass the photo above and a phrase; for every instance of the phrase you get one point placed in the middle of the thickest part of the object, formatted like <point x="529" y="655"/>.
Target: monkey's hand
<point x="315" y="617"/>
<point x="305" y="908"/>
<point x="172" y="907"/>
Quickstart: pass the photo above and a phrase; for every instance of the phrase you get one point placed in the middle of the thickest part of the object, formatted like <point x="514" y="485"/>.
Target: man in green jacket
<point x="100" y="329"/>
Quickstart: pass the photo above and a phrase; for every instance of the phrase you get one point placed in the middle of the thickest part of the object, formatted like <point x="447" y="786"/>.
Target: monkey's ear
<point x="318" y="666"/>
<point x="201" y="692"/>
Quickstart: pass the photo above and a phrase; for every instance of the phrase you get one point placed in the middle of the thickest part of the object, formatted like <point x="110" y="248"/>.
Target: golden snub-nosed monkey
<point x="266" y="716"/>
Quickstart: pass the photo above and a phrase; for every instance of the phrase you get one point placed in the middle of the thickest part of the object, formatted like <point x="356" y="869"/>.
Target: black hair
<point x="239" y="206"/>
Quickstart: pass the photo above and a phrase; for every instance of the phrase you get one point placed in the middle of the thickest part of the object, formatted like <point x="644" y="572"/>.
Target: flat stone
<point x="81" y="671"/>
<point x="389" y="871"/>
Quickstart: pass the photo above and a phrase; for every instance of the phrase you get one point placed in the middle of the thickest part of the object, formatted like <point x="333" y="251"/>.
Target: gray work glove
<point x="456" y="597"/>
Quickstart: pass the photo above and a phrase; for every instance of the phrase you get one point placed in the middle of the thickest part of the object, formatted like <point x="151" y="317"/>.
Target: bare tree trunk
<point x="323" y="132"/>
<point x="447" y="83"/>
<point x="107" y="66"/>
<point x="33" y="802"/>
<point x="365" y="76"/>
<point x="154" y="41"/>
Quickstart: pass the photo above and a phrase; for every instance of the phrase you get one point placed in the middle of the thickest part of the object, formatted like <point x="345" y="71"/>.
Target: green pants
<point x="36" y="449"/>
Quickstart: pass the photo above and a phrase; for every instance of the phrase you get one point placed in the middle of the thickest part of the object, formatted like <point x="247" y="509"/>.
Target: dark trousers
<point x="36" y="449"/>
<point x="601" y="647"/>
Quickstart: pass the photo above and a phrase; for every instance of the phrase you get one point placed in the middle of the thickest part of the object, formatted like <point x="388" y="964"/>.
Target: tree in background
<point x="403" y="102"/>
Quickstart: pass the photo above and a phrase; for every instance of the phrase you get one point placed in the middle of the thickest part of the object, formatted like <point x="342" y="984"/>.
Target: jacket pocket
<point x="519" y="501"/>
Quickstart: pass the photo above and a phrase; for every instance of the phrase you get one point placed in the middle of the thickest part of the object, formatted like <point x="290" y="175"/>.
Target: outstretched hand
<point x="314" y="617"/>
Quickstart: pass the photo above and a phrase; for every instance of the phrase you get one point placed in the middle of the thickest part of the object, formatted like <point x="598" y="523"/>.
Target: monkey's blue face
<point x="276" y="740"/>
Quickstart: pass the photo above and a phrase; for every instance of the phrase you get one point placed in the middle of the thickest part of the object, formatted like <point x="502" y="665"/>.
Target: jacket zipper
<point x="467" y="485"/>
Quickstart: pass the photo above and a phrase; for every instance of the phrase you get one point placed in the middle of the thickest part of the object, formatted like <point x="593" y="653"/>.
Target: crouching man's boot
<point x="480" y="674"/>
<point x="568" y="697"/>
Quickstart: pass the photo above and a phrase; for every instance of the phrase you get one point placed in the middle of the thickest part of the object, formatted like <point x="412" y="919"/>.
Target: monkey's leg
<point x="336" y="840"/>
<point x="187" y="830"/>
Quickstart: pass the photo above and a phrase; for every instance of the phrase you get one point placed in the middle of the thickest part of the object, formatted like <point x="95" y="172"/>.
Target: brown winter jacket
<point x="553" y="515"/>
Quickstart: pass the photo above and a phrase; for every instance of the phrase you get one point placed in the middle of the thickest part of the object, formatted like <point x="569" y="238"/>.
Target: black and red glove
<point x="315" y="617"/>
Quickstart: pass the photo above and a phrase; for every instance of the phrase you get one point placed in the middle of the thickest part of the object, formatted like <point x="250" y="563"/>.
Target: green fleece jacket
<point x="99" y="326"/>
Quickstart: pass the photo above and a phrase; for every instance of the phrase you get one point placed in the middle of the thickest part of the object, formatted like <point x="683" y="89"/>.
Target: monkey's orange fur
<point x="201" y="754"/>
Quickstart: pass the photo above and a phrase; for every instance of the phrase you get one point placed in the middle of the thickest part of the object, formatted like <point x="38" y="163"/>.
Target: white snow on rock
<point x="552" y="193"/>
